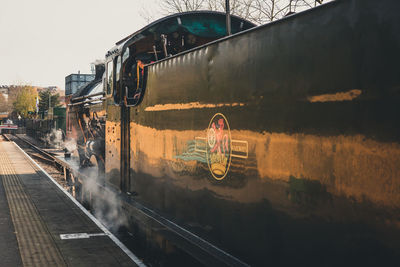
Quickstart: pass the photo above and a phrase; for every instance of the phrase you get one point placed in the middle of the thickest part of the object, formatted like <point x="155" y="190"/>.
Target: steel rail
<point x="6" y="137"/>
<point x="107" y="232"/>
<point x="217" y="256"/>
<point x="37" y="149"/>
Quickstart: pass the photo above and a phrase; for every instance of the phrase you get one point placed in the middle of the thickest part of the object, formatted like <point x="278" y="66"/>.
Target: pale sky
<point x="42" y="41"/>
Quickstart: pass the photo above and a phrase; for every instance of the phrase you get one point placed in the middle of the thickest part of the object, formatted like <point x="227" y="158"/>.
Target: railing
<point x="85" y="97"/>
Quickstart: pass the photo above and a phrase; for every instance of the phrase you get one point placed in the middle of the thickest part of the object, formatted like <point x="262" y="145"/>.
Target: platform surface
<point x="36" y="216"/>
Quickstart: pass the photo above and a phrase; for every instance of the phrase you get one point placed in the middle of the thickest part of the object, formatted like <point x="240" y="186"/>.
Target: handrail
<point x="86" y="96"/>
<point x="87" y="101"/>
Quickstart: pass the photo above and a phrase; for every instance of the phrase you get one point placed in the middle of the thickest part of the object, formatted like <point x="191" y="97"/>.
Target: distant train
<point x="278" y="145"/>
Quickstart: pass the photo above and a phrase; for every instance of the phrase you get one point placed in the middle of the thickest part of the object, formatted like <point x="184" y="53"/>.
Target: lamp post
<point x="48" y="111"/>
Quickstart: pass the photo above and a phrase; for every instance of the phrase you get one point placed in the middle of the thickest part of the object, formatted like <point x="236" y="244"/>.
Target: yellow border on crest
<point x="230" y="148"/>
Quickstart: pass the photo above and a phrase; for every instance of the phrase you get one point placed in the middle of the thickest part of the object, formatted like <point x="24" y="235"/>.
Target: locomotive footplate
<point x="41" y="225"/>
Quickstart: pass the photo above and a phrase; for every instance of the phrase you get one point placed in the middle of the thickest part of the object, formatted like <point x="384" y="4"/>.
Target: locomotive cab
<point x="164" y="38"/>
<point x="99" y="112"/>
<point x="127" y="69"/>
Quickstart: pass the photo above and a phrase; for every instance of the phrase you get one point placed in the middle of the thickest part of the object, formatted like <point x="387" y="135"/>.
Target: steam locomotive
<point x="279" y="144"/>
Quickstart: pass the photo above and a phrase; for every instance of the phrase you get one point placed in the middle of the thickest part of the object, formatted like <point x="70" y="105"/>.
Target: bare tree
<point x="257" y="11"/>
<point x="173" y="6"/>
<point x="262" y="11"/>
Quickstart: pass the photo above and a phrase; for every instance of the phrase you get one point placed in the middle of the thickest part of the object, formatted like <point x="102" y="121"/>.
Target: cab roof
<point x="200" y="23"/>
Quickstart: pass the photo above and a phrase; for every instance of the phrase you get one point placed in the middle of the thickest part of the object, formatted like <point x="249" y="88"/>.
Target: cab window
<point x="125" y="56"/>
<point x="118" y="68"/>
<point x="109" y="77"/>
<point x="117" y="85"/>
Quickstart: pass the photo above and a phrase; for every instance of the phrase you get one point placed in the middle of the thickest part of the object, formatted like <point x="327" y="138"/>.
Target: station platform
<point x="41" y="225"/>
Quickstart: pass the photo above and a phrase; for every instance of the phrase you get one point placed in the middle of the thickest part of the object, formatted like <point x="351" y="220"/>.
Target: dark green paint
<point x="274" y="70"/>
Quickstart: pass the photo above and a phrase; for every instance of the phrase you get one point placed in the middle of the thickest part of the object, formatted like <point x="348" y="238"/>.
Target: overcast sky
<point x="42" y="41"/>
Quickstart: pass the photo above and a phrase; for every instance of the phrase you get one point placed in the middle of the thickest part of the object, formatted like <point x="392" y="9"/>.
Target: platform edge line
<point x="129" y="253"/>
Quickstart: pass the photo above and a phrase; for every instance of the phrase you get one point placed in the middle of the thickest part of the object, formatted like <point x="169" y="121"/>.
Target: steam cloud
<point x="106" y="205"/>
<point x="55" y="138"/>
<point x="70" y="145"/>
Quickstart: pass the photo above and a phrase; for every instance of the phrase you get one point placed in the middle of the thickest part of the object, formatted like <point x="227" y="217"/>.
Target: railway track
<point x="67" y="177"/>
<point x="46" y="160"/>
<point x="64" y="173"/>
<point x="72" y="180"/>
<point x="32" y="149"/>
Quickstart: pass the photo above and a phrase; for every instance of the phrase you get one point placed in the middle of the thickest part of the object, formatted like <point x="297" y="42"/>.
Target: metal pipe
<point x="155" y="52"/>
<point x="228" y="18"/>
<point x="164" y="43"/>
<point x="87" y="101"/>
<point x="86" y="96"/>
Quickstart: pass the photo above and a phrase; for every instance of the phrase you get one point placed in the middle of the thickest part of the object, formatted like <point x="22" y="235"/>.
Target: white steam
<point x="106" y="205"/>
<point x="55" y="138"/>
<point x="70" y="144"/>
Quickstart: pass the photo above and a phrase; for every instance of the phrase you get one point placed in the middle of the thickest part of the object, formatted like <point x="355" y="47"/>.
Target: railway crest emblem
<point x="218" y="146"/>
